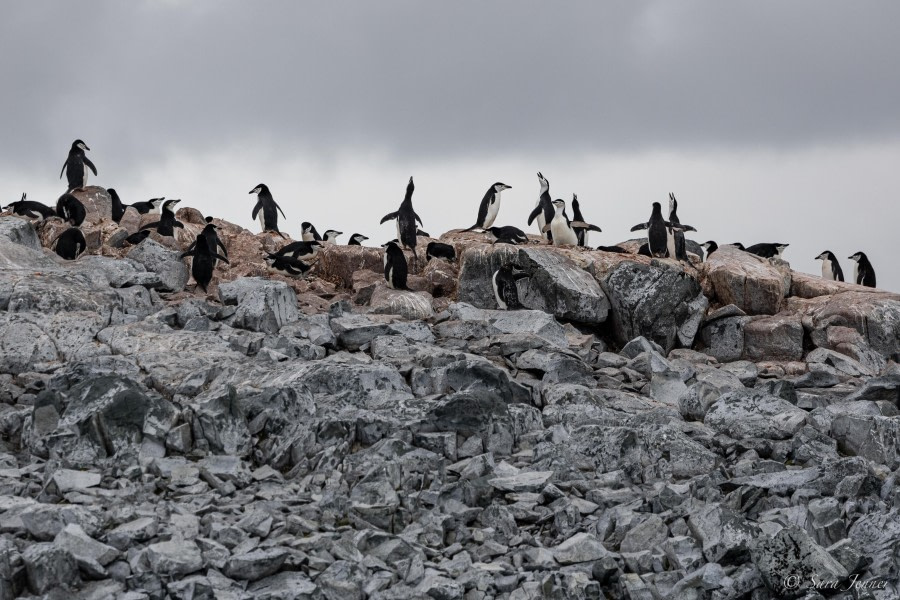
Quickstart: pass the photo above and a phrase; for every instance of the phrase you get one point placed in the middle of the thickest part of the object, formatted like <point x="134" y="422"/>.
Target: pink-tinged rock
<point x="749" y="282"/>
<point x="804" y="285"/>
<point x="411" y="305"/>
<point x="97" y="203"/>
<point x="779" y="337"/>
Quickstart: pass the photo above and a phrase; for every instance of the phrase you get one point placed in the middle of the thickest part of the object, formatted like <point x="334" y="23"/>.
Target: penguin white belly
<point x="398" y="230"/>
<point x="493" y="209"/>
<point x="84" y="179"/>
<point x="827" y="273"/>
<point x="856" y="274"/>
<point x="390" y="278"/>
<point x="670" y="242"/>
<point x="541" y="221"/>
<point x="562" y="233"/>
<point x="500" y="303"/>
<point x="260" y="216"/>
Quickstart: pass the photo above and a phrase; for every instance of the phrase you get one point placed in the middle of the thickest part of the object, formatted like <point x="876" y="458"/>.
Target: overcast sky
<point x="771" y="121"/>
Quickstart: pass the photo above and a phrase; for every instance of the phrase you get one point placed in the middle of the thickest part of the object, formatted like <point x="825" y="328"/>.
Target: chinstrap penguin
<point x="30" y="209"/>
<point x="118" y="209"/>
<point x="357" y="239"/>
<point x="506" y="292"/>
<point x="831" y="268"/>
<point x="75" y="164"/>
<point x="440" y="250"/>
<point x="267" y="209"/>
<point x="70" y="209"/>
<point x="766" y="250"/>
<point x="204" y="255"/>
<point x="675" y="238"/>
<point x="658" y="231"/>
<point x="308" y="232"/>
<point x="151" y="206"/>
<point x="286" y="265"/>
<point x="395" y="267"/>
<point x="508" y="235"/>
<point x="580" y="232"/>
<point x="863" y="273"/>
<point x="331" y="236"/>
<point x="167" y="221"/>
<point x="301" y="250"/>
<point x="543" y="210"/>
<point x="489" y="207"/>
<point x="70" y="243"/>
<point x="406" y="221"/>
<point x="709" y="247"/>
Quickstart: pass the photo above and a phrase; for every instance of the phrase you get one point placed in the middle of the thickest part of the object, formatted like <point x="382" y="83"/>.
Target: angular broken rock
<point x="791" y="562"/>
<point x="263" y="305"/>
<point x="750" y="414"/>
<point x="527" y="481"/>
<point x="178" y="557"/>
<point x="580" y="548"/>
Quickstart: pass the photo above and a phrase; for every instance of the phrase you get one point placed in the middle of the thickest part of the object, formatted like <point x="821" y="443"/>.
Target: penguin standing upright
<point x="406" y="220"/>
<point x="504" y="282"/>
<point x="167" y="221"/>
<point x="357" y="239"/>
<point x="204" y="251"/>
<point x="70" y="243"/>
<point x="489" y="207"/>
<point x="543" y="210"/>
<point x="863" y="273"/>
<point x="31" y="209"/>
<point x="657" y="231"/>
<point x="675" y="238"/>
<point x="118" y="209"/>
<point x="395" y="267"/>
<point x="267" y="209"/>
<point x="308" y="232"/>
<point x="581" y="232"/>
<point x="70" y="209"/>
<point x="74" y="167"/>
<point x="831" y="268"/>
<point x="560" y="226"/>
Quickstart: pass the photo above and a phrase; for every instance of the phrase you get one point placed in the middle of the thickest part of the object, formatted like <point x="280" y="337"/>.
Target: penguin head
<point x="545" y="183"/>
<point x="394" y="243"/>
<point x="306" y="227"/>
<point x="657" y="209"/>
<point x="857" y="257"/>
<point x="737" y="245"/>
<point x="79" y="145"/>
<point x="825" y="255"/>
<point x="170" y="204"/>
<point x="209" y="221"/>
<point x="673" y="203"/>
<point x="358" y="237"/>
<point x="157" y="202"/>
<point x="260" y="189"/>
<point x="575" y="201"/>
<point x="780" y="248"/>
<point x="410" y="186"/>
<point x="332" y="233"/>
<point x="708" y="245"/>
<point x="559" y="204"/>
<point x="499" y="187"/>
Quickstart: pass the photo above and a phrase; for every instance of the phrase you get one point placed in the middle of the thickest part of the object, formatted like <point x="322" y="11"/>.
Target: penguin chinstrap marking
<point x="70" y="243"/>
<point x="204" y="251"/>
<point x="357" y="239"/>
<point x="709" y="247"/>
<point x="507" y="235"/>
<point x="831" y="268"/>
<point x="30" y="209"/>
<point x="74" y="167"/>
<point x="70" y="209"/>
<point x="331" y="236"/>
<point x="543" y="210"/>
<point x="406" y="220"/>
<point x="118" y="209"/>
<point x="167" y="221"/>
<point x="267" y="209"/>
<point x="581" y="232"/>
<point x="675" y="237"/>
<point x="489" y="207"/>
<point x="506" y="292"/>
<point x="308" y="232"/>
<point x="863" y="272"/>
<point x="395" y="267"/>
<point x="657" y="231"/>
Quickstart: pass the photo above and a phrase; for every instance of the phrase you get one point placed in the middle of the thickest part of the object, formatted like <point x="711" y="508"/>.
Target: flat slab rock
<point x="529" y="481"/>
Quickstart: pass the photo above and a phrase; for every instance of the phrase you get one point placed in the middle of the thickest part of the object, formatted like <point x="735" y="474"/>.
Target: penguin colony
<point x="665" y="235"/>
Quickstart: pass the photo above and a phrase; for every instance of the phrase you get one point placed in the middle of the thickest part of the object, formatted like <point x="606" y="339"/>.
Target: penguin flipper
<point x="256" y="209"/>
<point x="190" y="248"/>
<point x="88" y="162"/>
<point x="534" y="214"/>
<point x="682" y="227"/>
<point x="639" y="226"/>
<point x="222" y="246"/>
<point x="583" y="225"/>
<point x="545" y="228"/>
<point x="418" y="218"/>
<point x="63" y="170"/>
<point x="279" y="208"/>
<point x="188" y="252"/>
<point x="222" y="258"/>
<point x="154" y="224"/>
<point x="388" y="217"/>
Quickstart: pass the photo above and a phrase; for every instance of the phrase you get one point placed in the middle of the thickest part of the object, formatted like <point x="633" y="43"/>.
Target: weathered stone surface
<point x="779" y="337"/>
<point x="49" y="567"/>
<point x="752" y="415"/>
<point x="580" y="548"/>
<point x="262" y="305"/>
<point x="407" y="304"/>
<point x="874" y="437"/>
<point x="751" y="283"/>
<point x="172" y="271"/>
<point x="97" y="203"/>
<point x="19" y="230"/>
<point x="558" y="286"/>
<point x="791" y="562"/>
<point x="176" y="558"/>
<point x="657" y="301"/>
<point x="255" y="565"/>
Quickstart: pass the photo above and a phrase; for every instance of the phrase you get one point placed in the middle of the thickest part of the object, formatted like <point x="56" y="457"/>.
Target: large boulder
<point x="779" y="337"/>
<point x="751" y="414"/>
<point x="408" y="304"/>
<point x="20" y="231"/>
<point x="97" y="203"/>
<point x="753" y="284"/>
<point x="657" y="301"/>
<point x="263" y="305"/>
<point x="338" y="263"/>
<point x="172" y="271"/>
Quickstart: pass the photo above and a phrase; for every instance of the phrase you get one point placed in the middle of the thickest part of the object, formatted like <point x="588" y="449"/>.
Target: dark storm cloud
<point x="460" y="78"/>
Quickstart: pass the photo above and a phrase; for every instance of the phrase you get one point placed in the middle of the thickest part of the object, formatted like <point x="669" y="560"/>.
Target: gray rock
<point x="751" y="283"/>
<point x="527" y="481"/>
<point x="724" y="338"/>
<point x="84" y="548"/>
<point x="19" y="231"/>
<point x="287" y="585"/>
<point x="656" y="301"/>
<point x="127" y="534"/>
<point x="558" y="286"/>
<point x="353" y="331"/>
<point x="49" y="567"/>
<point x="874" y="437"/>
<point x="723" y="533"/>
<point x="255" y="565"/>
<point x="745" y="414"/>
<point x="779" y="337"/>
<point x="407" y="304"/>
<point x="177" y="558"/>
<point x="68" y="479"/>
<point x="263" y="305"/>
<point x="534" y="322"/>
<point x="791" y="562"/>
<point x="649" y="533"/>
<point x="580" y="548"/>
<point x="173" y="273"/>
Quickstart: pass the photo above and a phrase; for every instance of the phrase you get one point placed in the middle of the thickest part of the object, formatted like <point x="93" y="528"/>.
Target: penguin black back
<point x="266" y="208"/>
<point x="440" y="250"/>
<point x="864" y="272"/>
<point x="406" y="219"/>
<point x="544" y="210"/>
<point x="506" y="293"/>
<point x="118" y="209"/>
<point x="508" y="235"/>
<point x="70" y="209"/>
<point x="395" y="267"/>
<point x="766" y="250"/>
<point x="676" y="244"/>
<point x="831" y="268"/>
<point x="167" y="221"/>
<point x="31" y="209"/>
<point x="70" y="243"/>
<point x="75" y="164"/>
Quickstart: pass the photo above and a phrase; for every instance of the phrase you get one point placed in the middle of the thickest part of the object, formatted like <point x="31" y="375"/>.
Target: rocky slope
<point x="645" y="430"/>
